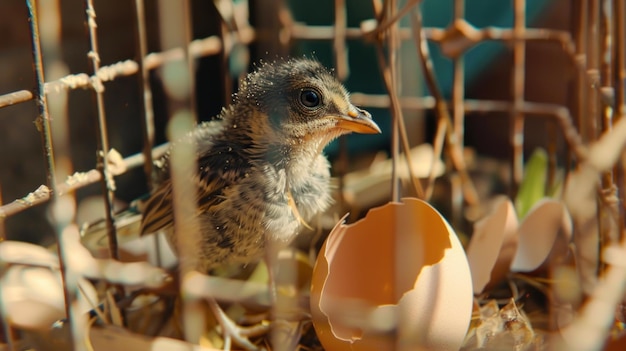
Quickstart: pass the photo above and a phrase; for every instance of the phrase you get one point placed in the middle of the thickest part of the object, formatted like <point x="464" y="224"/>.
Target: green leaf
<point x="533" y="186"/>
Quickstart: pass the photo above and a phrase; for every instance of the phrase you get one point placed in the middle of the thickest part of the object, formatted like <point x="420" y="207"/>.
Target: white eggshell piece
<point x="493" y="244"/>
<point x="401" y="269"/>
<point x="547" y="227"/>
<point x="32" y="297"/>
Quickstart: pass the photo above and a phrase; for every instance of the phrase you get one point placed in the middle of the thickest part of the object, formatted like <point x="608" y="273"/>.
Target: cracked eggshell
<point x="401" y="271"/>
<point x="545" y="232"/>
<point x="493" y="245"/>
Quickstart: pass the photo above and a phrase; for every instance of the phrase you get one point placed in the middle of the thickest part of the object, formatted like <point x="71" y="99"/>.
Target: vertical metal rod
<point x="606" y="50"/>
<point x="64" y="208"/>
<point x="619" y="21"/>
<point x="609" y="208"/>
<point x="178" y="81"/>
<point x="607" y="91"/>
<point x="147" y="122"/>
<point x="593" y="68"/>
<point x="341" y="70"/>
<point x="593" y="113"/>
<point x="458" y="87"/>
<point x="517" y="116"/>
<point x="50" y="29"/>
<point x="339" y="40"/>
<point x="103" y="139"/>
<point x="44" y="126"/>
<point x="458" y="116"/>
<point x="392" y="52"/>
<point x="191" y="61"/>
<point x="391" y="79"/>
<point x="43" y="119"/>
<point x="581" y="57"/>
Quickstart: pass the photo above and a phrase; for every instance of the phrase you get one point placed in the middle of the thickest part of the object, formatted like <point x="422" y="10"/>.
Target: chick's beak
<point x="358" y="121"/>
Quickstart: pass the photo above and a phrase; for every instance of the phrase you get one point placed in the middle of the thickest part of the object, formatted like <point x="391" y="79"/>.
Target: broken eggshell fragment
<point x="500" y="245"/>
<point x="545" y="232"/>
<point x="493" y="244"/>
<point x="397" y="278"/>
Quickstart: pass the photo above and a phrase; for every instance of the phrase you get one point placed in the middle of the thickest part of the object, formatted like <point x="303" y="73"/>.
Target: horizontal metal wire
<point x="74" y="182"/>
<point x="213" y="45"/>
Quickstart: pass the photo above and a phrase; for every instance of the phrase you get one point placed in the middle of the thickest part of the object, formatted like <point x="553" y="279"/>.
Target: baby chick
<point x="261" y="174"/>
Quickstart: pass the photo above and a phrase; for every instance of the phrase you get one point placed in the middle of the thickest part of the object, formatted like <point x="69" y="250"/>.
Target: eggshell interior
<point x="546" y="230"/>
<point x="399" y="269"/>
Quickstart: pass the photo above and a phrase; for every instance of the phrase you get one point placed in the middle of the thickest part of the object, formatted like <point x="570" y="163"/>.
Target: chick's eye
<point x="309" y="98"/>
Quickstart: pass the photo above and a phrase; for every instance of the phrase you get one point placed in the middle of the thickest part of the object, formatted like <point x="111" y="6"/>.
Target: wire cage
<point x="128" y="77"/>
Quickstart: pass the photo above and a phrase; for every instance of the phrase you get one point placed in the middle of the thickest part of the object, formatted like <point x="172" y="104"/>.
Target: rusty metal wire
<point x="175" y="31"/>
<point x="44" y="127"/>
<point x="147" y="126"/>
<point x="103" y="138"/>
<point x="517" y="116"/>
